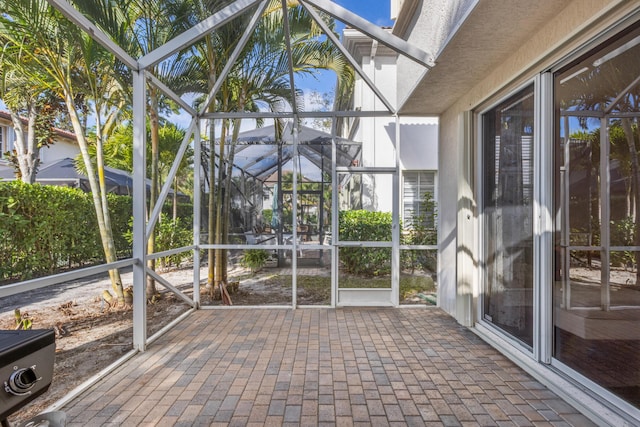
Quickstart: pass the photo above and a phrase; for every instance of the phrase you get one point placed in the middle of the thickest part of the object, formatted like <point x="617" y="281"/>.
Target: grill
<point x="26" y="368"/>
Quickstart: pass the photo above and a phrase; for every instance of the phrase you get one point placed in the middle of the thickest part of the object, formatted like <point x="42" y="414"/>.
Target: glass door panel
<point x="507" y="160"/>
<point x="597" y="195"/>
<point x="364" y="241"/>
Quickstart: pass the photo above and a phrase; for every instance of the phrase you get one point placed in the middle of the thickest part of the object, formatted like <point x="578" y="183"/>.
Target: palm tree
<point x="118" y="153"/>
<point x="59" y="57"/>
<point x="140" y="27"/>
<point x="30" y="106"/>
<point x="259" y="79"/>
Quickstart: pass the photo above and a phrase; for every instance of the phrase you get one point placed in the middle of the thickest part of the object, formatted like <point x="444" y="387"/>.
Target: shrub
<point x="254" y="259"/>
<point x="173" y="234"/>
<point x="170" y="234"/>
<point x="44" y="229"/>
<point x="362" y="225"/>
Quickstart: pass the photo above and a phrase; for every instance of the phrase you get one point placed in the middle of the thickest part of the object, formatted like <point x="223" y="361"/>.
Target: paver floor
<point x="341" y="367"/>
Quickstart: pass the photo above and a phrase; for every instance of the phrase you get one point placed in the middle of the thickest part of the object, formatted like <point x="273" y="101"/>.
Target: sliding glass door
<point x="507" y="212"/>
<point x="597" y="192"/>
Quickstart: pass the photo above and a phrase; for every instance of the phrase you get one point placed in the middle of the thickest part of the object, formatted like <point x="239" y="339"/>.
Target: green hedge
<point x="46" y="229"/>
<point x="362" y="225"/>
<point x="359" y="226"/>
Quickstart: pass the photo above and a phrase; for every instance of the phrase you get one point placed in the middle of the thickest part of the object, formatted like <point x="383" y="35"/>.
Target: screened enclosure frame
<point x="141" y="77"/>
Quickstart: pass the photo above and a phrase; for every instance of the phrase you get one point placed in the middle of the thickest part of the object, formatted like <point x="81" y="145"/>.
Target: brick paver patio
<point x="349" y="366"/>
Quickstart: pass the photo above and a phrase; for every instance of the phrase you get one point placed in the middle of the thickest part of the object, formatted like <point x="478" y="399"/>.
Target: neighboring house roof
<point x="63" y="172"/>
<point x="4" y="115"/>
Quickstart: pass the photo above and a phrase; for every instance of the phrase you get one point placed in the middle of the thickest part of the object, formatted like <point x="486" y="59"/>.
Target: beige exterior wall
<point x="580" y="23"/>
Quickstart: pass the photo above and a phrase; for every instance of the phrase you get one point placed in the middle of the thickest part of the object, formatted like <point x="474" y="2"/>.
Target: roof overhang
<point x="361" y="45"/>
<point x="491" y="32"/>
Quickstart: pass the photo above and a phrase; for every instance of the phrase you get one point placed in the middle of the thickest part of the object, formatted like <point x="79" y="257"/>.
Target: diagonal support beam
<point x="170" y="93"/>
<point x="347" y="55"/>
<point x="94" y="32"/>
<point x="164" y="282"/>
<point x="234" y="56"/>
<point x="375" y="32"/>
<point x="622" y="94"/>
<point x="196" y="32"/>
<point x="153" y="219"/>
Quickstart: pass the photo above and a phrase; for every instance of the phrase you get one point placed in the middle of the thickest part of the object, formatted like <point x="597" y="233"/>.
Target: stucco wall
<point x="418" y="142"/>
<point x="60" y="150"/>
<point x="581" y="21"/>
<point x="418" y="135"/>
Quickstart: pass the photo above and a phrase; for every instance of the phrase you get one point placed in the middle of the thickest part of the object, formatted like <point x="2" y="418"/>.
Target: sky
<point x="375" y="11"/>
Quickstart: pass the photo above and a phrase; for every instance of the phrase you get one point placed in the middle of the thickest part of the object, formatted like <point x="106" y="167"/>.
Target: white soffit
<point x="375" y="32"/>
<point x="491" y="33"/>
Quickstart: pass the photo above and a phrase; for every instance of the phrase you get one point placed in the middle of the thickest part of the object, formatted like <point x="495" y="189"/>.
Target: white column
<point x="465" y="230"/>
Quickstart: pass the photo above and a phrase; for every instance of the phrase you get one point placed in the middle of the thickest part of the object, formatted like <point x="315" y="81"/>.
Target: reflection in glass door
<point x="596" y="296"/>
<point x="507" y="161"/>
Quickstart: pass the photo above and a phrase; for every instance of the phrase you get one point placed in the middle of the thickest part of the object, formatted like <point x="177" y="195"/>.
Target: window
<point x="418" y="196"/>
<point x="3" y="139"/>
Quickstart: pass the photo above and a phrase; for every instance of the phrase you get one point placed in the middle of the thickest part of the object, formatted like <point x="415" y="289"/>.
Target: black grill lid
<point x="17" y="344"/>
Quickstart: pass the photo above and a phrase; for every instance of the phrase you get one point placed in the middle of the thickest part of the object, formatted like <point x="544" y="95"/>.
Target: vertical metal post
<point x="334" y="216"/>
<point x="139" y="212"/>
<point x="395" y="222"/>
<point x="321" y="207"/>
<point x="543" y="260"/>
<point x="294" y="220"/>
<point x="605" y="212"/>
<point x="197" y="153"/>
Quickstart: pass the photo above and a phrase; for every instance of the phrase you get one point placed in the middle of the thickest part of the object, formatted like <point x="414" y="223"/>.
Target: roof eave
<point x="489" y="34"/>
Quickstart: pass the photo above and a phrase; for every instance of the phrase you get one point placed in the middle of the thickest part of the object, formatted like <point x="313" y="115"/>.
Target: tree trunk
<point x="175" y="199"/>
<point x="219" y="265"/>
<point x="227" y="195"/>
<point x="27" y="150"/>
<point x="102" y="212"/>
<point x="153" y="193"/>
<point x="211" y="226"/>
<point x="211" y="209"/>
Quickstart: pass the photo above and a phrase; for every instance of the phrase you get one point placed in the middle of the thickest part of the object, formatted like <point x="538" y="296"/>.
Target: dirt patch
<point x="89" y="337"/>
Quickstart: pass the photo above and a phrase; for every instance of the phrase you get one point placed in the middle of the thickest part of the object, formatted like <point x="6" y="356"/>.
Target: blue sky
<point x="375" y="11"/>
